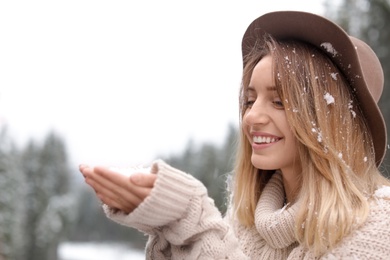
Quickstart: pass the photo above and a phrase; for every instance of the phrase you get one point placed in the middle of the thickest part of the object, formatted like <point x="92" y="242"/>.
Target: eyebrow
<point x="271" y="88"/>
<point x="252" y="89"/>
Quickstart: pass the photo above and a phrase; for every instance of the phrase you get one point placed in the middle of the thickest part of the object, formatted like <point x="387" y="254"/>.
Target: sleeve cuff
<point x="167" y="202"/>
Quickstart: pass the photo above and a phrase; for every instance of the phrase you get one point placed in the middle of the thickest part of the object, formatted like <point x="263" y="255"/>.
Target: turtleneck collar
<point x="274" y="221"/>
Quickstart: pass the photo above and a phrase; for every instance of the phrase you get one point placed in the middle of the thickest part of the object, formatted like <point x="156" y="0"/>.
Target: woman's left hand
<point x="118" y="191"/>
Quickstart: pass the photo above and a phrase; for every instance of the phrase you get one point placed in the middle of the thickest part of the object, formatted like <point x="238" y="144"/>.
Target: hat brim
<point x="317" y="30"/>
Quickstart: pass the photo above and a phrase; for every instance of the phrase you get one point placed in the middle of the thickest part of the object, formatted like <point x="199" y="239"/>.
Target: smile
<point x="265" y="139"/>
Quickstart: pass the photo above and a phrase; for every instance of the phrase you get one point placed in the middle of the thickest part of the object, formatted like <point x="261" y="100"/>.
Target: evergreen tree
<point x="34" y="206"/>
<point x="49" y="198"/>
<point x="12" y="201"/>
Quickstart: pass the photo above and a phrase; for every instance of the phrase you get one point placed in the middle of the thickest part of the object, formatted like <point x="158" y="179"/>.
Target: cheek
<point x="291" y="140"/>
<point x="244" y="119"/>
<point x="293" y="148"/>
<point x="245" y="130"/>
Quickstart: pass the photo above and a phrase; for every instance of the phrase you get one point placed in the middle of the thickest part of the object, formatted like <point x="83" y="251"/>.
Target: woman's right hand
<point x="116" y="190"/>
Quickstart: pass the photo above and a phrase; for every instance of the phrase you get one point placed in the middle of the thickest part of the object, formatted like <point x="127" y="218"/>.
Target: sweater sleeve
<point x="181" y="220"/>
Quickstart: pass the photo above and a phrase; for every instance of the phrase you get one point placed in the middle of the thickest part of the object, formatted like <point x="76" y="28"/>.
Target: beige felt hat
<point x="354" y="58"/>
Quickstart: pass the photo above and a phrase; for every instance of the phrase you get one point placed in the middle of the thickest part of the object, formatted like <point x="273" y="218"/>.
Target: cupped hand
<point x="118" y="191"/>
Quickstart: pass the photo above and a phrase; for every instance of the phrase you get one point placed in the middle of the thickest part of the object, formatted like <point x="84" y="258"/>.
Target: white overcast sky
<point x="124" y="81"/>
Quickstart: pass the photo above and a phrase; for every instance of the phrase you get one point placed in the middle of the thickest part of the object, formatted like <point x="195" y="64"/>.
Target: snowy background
<point x="84" y="251"/>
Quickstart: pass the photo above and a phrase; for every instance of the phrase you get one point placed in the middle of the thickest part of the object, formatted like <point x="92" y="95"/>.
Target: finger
<point x="143" y="180"/>
<point x="110" y="180"/>
<point x="82" y="167"/>
<point x="142" y="192"/>
<point x="122" y="186"/>
<point x="114" y="177"/>
<point x="114" y="197"/>
<point x="114" y="204"/>
<point x="116" y="189"/>
<point x="108" y="185"/>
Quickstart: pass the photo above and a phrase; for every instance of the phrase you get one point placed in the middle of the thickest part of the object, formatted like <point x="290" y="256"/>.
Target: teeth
<point x="264" y="139"/>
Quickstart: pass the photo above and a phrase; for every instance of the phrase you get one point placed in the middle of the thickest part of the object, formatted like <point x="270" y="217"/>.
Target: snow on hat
<point x="354" y="58"/>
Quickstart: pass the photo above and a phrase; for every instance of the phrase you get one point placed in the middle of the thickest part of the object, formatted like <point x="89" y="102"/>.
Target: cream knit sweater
<point x="183" y="223"/>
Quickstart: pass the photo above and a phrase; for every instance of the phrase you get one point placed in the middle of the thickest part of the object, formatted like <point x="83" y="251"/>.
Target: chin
<point x="263" y="163"/>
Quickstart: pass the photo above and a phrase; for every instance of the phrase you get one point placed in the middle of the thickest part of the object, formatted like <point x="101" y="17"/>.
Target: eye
<point x="249" y="103"/>
<point x="250" y="97"/>
<point x="278" y="103"/>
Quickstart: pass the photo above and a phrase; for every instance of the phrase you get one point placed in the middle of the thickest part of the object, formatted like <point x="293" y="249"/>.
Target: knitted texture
<point x="183" y="223"/>
<point x="370" y="241"/>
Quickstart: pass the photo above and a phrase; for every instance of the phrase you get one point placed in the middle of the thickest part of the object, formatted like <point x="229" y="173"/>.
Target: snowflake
<point x="329" y="98"/>
<point x="329" y="48"/>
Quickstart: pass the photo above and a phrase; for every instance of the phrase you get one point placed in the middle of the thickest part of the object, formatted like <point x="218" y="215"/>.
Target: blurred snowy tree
<point x="12" y="201"/>
<point x="49" y="199"/>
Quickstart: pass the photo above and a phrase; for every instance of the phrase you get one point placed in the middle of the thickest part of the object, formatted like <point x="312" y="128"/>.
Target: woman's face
<point x="265" y="124"/>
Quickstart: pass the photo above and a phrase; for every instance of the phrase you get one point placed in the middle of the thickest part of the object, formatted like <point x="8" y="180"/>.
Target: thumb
<point x="143" y="180"/>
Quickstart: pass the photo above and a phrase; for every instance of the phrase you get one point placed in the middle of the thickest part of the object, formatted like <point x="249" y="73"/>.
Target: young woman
<point x="306" y="183"/>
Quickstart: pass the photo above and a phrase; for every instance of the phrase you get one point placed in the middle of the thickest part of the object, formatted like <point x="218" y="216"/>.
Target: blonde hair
<point x="335" y="146"/>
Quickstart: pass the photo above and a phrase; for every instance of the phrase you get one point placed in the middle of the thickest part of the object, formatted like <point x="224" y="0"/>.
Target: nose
<point x="257" y="114"/>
